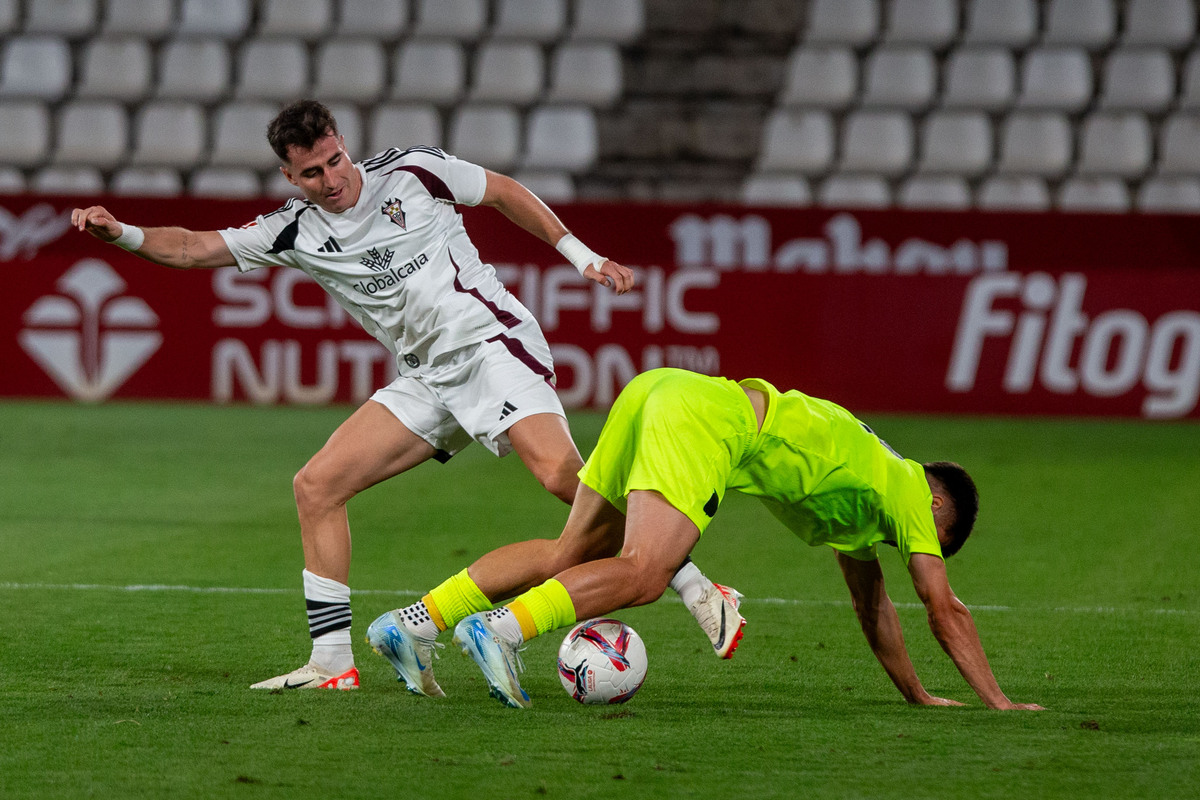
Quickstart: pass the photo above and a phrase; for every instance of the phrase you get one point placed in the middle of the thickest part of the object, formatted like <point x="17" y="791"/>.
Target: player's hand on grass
<point x="98" y="222"/>
<point x="1011" y="706"/>
<point x="611" y="274"/>
<point x="930" y="700"/>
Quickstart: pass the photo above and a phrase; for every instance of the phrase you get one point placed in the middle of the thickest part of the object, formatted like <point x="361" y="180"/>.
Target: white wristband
<point x="131" y="237"/>
<point x="578" y="253"/>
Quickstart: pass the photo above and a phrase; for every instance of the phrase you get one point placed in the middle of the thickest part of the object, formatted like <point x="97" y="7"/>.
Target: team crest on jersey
<point x="392" y="210"/>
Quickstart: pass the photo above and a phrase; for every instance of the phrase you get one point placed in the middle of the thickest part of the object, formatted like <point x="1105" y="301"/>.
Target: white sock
<point x="689" y="582"/>
<point x="328" y="604"/>
<point x="505" y="623"/>
<point x="416" y="618"/>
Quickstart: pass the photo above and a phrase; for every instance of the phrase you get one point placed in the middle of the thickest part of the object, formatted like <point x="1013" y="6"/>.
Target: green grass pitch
<point x="151" y="572"/>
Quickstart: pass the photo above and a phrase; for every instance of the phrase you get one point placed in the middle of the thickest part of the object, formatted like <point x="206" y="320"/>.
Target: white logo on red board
<point x="91" y="338"/>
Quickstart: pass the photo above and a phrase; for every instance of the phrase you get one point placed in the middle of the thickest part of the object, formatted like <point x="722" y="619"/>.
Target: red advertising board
<point x="901" y="311"/>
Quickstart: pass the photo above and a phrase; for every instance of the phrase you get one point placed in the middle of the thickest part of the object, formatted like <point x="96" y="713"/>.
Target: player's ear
<point x="287" y="174"/>
<point x="939" y="500"/>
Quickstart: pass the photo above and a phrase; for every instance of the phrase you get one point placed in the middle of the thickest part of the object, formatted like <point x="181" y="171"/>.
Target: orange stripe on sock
<point x="434" y="612"/>
<point x="521" y="612"/>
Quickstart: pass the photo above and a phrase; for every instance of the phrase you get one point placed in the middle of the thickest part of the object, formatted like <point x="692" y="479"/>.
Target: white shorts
<point x="477" y="393"/>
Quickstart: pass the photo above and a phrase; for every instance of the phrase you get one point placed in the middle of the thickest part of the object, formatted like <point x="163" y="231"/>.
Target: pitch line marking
<point x="165" y="587"/>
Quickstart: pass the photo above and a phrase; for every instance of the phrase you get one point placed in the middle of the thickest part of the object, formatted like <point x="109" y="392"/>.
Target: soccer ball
<point x="602" y="661"/>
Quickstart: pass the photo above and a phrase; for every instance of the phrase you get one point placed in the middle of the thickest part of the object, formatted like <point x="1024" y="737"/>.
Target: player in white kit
<point x="383" y="238"/>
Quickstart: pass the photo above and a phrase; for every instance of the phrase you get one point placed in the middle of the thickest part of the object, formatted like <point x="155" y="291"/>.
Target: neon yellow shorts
<point x="676" y="433"/>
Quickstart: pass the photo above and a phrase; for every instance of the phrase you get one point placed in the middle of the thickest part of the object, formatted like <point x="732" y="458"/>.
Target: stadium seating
<point x="115" y="69"/>
<point x="1032" y="104"/>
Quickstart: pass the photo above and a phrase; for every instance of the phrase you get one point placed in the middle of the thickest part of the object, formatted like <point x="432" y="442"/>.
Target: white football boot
<point x="311" y="676"/>
<point x="496" y="656"/>
<point x="717" y="613"/>
<point x="410" y="655"/>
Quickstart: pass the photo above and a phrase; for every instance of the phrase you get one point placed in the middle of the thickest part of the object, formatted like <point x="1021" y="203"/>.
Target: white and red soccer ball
<point x="602" y="661"/>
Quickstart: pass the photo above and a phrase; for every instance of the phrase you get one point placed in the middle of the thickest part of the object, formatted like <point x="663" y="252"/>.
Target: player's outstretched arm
<point x="881" y="625"/>
<point x="954" y="629"/>
<point x="170" y="247"/>
<point x="526" y="210"/>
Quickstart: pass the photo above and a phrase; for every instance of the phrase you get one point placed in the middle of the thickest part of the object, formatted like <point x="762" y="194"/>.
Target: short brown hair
<point x="300" y="125"/>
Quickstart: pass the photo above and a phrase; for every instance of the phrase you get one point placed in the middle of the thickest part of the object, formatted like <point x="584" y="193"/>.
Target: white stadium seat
<point x="350" y="126"/>
<point x="370" y="18"/>
<point x="76" y="180"/>
<point x="350" y="69"/>
<point x="489" y="135"/>
<point x="12" y="181"/>
<point x="239" y="135"/>
<point x="433" y="71"/>
<point x="1162" y="23"/>
<point x="1013" y="193"/>
<point x="980" y="77"/>
<point x="586" y="72"/>
<point x="24" y="132"/>
<point x="797" y="141"/>
<point x="148" y="19"/>
<point x="220" y="19"/>
<point x="849" y="22"/>
<point x="1141" y="79"/>
<point x="91" y="133"/>
<point x="1115" y="144"/>
<point x="404" y="126"/>
<point x="934" y="192"/>
<point x="35" y="67"/>
<point x="933" y="23"/>
<point x="1011" y="23"/>
<point x="69" y="18"/>
<point x="1189" y="95"/>
<point x="552" y="186"/>
<point x="193" y="69"/>
<point x="301" y="19"/>
<point x="464" y="20"/>
<point x="1084" y="23"/>
<point x="900" y="77"/>
<point x="273" y="69"/>
<point x="821" y="76"/>
<point x="854" y="191"/>
<point x="877" y="141"/>
<point x="115" y="68"/>
<point x="10" y="16"/>
<point x="146" y="182"/>
<point x="1179" y="145"/>
<point x="508" y="72"/>
<point x="535" y="20"/>
<point x="956" y="142"/>
<point x="224" y="182"/>
<point x="1035" y="143"/>
<point x="1108" y="195"/>
<point x="1179" y="194"/>
<point x="1057" y="78"/>
<point x="776" y="189"/>
<point x="276" y="185"/>
<point x="169" y="134"/>
<point x="561" y="137"/>
<point x="617" y="21"/>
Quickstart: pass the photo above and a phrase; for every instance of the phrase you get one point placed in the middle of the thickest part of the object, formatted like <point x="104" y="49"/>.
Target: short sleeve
<point x="251" y="244"/>
<point x="465" y="181"/>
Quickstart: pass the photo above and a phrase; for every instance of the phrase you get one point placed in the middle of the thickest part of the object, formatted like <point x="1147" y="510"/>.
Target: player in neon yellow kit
<point x="673" y="444"/>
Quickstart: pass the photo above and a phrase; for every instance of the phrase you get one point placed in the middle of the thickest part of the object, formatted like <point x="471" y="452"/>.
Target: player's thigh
<point x="544" y="444"/>
<point x="595" y="528"/>
<point x="658" y="536"/>
<point x="372" y="445"/>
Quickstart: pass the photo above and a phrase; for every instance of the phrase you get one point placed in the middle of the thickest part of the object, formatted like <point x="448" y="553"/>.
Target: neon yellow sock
<point x="543" y="608"/>
<point x="455" y="599"/>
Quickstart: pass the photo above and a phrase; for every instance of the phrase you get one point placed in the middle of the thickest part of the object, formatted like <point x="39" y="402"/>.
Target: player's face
<point x="325" y="174"/>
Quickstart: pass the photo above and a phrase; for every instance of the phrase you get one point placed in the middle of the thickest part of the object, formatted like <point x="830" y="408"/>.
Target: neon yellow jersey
<point x="831" y="480"/>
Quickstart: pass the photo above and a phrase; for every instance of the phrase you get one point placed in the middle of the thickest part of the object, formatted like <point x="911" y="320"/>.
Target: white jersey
<point x="399" y="261"/>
